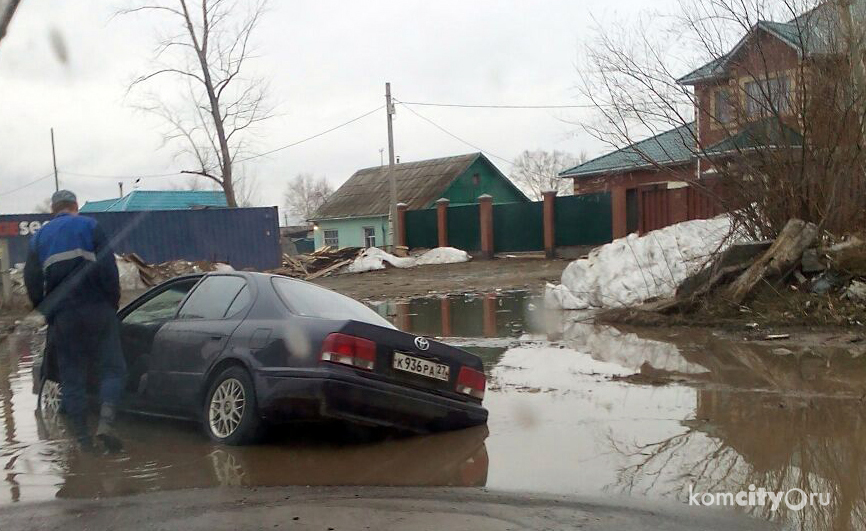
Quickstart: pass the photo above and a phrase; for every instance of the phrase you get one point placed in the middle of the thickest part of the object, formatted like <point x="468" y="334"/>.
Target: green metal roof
<point x="814" y="32"/>
<point x="673" y="147"/>
<point x="788" y="33"/>
<point x="766" y="133"/>
<point x="139" y="200"/>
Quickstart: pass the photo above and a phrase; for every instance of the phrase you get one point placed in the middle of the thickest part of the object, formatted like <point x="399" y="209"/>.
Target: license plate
<point x="421" y="367"/>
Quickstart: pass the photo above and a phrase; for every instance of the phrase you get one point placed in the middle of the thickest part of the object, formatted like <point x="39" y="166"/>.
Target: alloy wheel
<point x="49" y="398"/>
<point x="226" y="408"/>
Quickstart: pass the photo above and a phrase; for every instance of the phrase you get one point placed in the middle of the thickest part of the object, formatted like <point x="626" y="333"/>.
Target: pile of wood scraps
<point x="319" y="263"/>
<point x="153" y="274"/>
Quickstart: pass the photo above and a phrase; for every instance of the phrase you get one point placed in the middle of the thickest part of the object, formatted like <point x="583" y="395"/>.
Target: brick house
<point x="745" y="99"/>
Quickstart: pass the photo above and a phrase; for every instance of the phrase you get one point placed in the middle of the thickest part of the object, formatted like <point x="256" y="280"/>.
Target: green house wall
<point x="465" y="191"/>
<point x="351" y="231"/>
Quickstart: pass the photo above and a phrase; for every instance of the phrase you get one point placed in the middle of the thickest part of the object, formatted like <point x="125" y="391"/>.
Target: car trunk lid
<point x="414" y="361"/>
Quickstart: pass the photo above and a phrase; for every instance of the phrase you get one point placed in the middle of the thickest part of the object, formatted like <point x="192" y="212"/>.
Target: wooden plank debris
<point x="779" y="260"/>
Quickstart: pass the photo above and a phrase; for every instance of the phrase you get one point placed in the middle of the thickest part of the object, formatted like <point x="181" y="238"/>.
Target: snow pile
<point x="130" y="277"/>
<point x="442" y="255"/>
<point x="374" y="258"/>
<point x="219" y="267"/>
<point x="630" y="270"/>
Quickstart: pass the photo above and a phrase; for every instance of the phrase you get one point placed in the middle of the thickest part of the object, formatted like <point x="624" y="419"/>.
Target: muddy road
<point x="577" y="410"/>
<point x="475" y="275"/>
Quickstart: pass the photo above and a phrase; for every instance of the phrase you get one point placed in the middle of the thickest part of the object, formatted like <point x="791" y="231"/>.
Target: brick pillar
<point x="549" y="225"/>
<point x="401" y="224"/>
<point x="618" y="212"/>
<point x="445" y="313"/>
<point x="488" y="319"/>
<point x="442" y="221"/>
<point x="485" y="210"/>
<point x="404" y="320"/>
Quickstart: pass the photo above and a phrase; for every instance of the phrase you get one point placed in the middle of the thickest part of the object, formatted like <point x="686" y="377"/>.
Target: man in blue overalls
<point x="72" y="279"/>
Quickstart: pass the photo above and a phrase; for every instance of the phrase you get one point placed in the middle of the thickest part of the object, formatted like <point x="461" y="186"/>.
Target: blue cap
<point x="63" y="196"/>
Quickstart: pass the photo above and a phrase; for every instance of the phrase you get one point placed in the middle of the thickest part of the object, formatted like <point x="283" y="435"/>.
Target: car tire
<point x="230" y="413"/>
<point x="49" y="397"/>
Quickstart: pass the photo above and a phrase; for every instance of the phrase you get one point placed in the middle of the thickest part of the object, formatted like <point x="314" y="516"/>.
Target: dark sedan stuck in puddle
<point x="238" y="351"/>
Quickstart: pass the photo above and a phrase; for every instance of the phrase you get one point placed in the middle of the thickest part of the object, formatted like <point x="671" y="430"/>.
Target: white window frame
<point x="369" y="241"/>
<point x="333" y="240"/>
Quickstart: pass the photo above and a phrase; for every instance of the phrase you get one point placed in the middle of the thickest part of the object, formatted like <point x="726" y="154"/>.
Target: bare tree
<point x="246" y="187"/>
<point x="208" y="50"/>
<point x="305" y="195"/>
<point x="536" y="172"/>
<point x="43" y="207"/>
<point x="766" y="150"/>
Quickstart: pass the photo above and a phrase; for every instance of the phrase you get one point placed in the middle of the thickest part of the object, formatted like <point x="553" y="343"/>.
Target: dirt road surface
<point x="477" y="275"/>
<point x="368" y="508"/>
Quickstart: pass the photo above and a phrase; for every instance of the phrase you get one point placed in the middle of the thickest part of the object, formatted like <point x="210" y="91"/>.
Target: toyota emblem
<point x="422" y="343"/>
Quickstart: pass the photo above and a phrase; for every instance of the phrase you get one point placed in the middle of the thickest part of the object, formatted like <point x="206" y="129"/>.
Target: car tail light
<point x="471" y="382"/>
<point x="349" y="350"/>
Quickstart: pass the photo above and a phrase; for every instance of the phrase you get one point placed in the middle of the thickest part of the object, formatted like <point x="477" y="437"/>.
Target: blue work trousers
<point x="87" y="337"/>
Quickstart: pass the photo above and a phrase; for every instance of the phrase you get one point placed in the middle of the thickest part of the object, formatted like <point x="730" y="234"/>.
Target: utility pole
<point x="54" y="159"/>
<point x="392" y="178"/>
<point x="120" y="185"/>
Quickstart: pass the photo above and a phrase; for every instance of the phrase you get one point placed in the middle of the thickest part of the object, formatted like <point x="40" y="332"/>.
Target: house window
<point x="369" y="237"/>
<point x="768" y="96"/>
<point x="332" y="237"/>
<point x="723" y="110"/>
<point x="476" y="179"/>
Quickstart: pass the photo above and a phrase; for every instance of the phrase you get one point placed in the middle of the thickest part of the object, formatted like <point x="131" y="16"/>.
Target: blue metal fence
<point x="242" y="237"/>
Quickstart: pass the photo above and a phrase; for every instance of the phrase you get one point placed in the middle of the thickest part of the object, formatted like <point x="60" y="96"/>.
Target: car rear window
<point x="309" y="300"/>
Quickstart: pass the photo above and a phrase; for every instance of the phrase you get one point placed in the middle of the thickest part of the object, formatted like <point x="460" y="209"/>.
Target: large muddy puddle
<point x="567" y="416"/>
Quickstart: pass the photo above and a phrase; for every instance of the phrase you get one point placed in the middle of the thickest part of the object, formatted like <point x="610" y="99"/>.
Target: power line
<point x="317" y="135"/>
<point x="251" y="157"/>
<point x="23" y="186"/>
<point x="452" y="135"/>
<point x="482" y="106"/>
<point x="470" y="144"/>
<point x="101" y="176"/>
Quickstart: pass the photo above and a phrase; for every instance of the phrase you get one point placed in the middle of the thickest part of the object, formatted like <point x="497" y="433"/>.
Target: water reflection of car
<point x="236" y="351"/>
<point x="176" y="458"/>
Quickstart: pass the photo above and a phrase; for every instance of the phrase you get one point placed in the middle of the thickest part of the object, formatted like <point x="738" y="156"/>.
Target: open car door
<point x="140" y="322"/>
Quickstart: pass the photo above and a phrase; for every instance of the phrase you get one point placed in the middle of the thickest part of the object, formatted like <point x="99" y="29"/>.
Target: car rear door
<point x="186" y="347"/>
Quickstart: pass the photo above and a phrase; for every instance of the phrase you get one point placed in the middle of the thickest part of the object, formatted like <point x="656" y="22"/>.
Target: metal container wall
<point x="242" y="237"/>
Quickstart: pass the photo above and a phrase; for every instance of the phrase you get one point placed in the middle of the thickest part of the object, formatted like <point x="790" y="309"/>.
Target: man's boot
<point x="105" y="431"/>
<point x="77" y="426"/>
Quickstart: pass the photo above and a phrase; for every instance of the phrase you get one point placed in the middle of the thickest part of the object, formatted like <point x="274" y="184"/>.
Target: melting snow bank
<point x="630" y="270"/>
<point x="374" y="258"/>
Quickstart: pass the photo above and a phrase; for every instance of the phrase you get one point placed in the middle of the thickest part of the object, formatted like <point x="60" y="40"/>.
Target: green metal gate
<point x="421" y="229"/>
<point x="464" y="230"/>
<point x="583" y="219"/>
<point x="518" y="227"/>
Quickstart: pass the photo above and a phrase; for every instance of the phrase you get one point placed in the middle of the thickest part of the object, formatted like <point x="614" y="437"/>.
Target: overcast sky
<point x="327" y="62"/>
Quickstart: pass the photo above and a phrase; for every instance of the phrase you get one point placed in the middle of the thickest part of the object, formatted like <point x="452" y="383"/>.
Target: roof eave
<point x="689" y="79"/>
<point x="341" y="218"/>
<point x="619" y="171"/>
